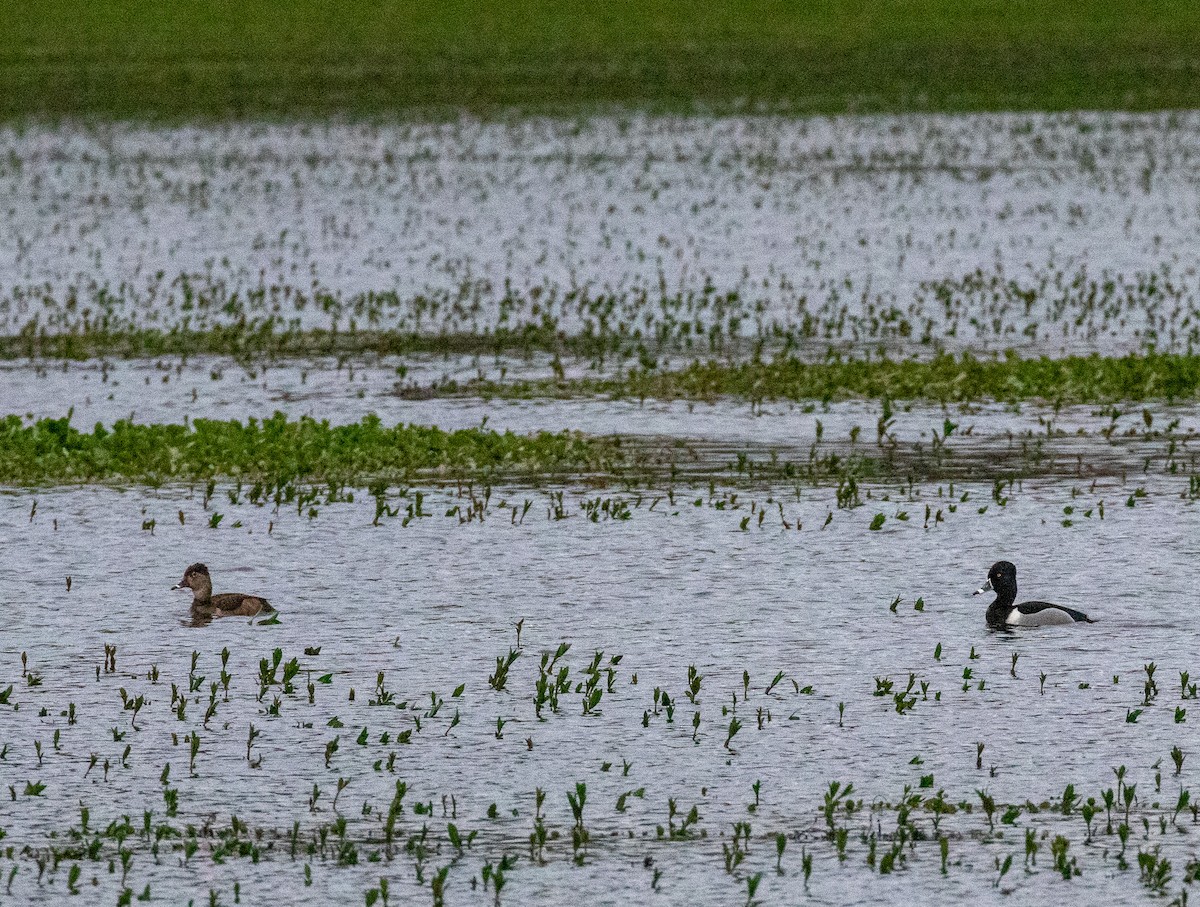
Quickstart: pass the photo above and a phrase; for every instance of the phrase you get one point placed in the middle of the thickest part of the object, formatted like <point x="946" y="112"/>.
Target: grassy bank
<point x="217" y="58"/>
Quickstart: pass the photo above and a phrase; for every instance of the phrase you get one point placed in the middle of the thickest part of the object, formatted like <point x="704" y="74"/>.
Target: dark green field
<point x="217" y="58"/>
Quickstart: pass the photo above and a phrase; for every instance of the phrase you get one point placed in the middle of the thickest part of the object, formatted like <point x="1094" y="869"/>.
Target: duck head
<point x="1001" y="579"/>
<point x="197" y="579"/>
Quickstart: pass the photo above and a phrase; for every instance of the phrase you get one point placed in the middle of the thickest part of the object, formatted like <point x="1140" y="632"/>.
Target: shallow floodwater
<point x="741" y="649"/>
<point x="1057" y="232"/>
<point x="432" y="604"/>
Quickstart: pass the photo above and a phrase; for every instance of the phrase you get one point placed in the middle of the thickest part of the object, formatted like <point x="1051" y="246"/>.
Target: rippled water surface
<point x="1071" y="231"/>
<point x="432" y="604"/>
<point x="731" y="639"/>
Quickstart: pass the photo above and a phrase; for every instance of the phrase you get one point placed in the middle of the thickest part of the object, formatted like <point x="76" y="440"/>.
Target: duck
<point x="205" y="605"/>
<point x="1003" y="612"/>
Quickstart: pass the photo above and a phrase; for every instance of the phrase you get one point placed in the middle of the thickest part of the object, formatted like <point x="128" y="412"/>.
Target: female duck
<point x="1002" y="579"/>
<point x="227" y="604"/>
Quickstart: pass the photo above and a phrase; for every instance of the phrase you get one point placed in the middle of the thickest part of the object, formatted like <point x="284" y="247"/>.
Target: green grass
<point x="217" y="58"/>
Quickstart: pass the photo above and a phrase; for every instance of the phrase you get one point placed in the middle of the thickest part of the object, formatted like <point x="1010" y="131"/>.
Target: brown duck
<point x="206" y="606"/>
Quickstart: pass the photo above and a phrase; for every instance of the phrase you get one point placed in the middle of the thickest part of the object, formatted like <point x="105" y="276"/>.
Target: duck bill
<point x="986" y="587"/>
<point x="179" y="585"/>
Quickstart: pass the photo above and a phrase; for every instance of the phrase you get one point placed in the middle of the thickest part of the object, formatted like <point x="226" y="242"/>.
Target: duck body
<point x="1005" y="612"/>
<point x="206" y="606"/>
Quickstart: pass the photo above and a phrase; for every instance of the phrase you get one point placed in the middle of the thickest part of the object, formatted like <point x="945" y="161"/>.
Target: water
<point x="859" y="214"/>
<point x="434" y="603"/>
<point x="857" y="227"/>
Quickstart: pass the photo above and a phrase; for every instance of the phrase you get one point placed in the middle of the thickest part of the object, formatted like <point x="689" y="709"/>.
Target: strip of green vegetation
<point x="276" y="456"/>
<point x="278" y="452"/>
<point x="279" y="461"/>
<point x="256" y="339"/>
<point x="220" y="58"/>
<point x="1073" y="379"/>
<point x="944" y="377"/>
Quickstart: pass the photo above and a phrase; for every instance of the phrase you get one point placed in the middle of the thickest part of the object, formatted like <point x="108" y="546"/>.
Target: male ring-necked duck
<point x="206" y="606"/>
<point x="1002" y="579"/>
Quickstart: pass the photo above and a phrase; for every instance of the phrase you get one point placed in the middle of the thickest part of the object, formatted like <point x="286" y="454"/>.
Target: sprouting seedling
<point x="989" y="808"/>
<point x="774" y="682"/>
<point x="1184" y="801"/>
<point x="1002" y="869"/>
<point x="342" y="784"/>
<point x="734" y="726"/>
<point x="537" y="839"/>
<point x="1042" y="683"/>
<point x="752" y="883"/>
<point x="639" y="793"/>
<point x="834" y="799"/>
<point x="694" y="679"/>
<point x="499" y="679"/>
<point x="579" y="834"/>
<point x="841" y="713"/>
<point x="1151" y="687"/>
<point x="253" y="735"/>
<point x="1177" y="756"/>
<point x="520" y="624"/>
<point x="132" y="704"/>
<point x="1013" y="668"/>
<point x="979" y="755"/>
